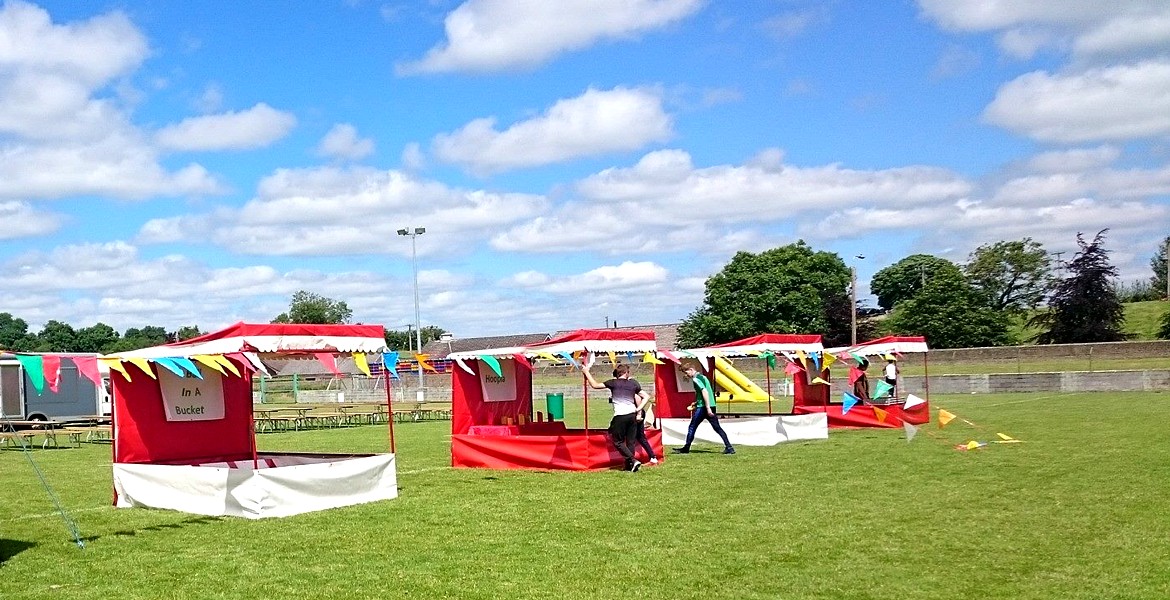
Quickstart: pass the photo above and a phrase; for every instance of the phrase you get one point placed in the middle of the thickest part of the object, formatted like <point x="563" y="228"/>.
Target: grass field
<point x="1077" y="511"/>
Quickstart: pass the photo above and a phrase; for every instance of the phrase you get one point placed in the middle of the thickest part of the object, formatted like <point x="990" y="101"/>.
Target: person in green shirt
<point x="703" y="410"/>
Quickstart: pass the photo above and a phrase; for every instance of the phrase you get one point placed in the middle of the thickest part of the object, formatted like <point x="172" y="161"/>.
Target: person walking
<point x="640" y="432"/>
<point x="891" y="377"/>
<point x="628" y="399"/>
<point x="704" y="410"/>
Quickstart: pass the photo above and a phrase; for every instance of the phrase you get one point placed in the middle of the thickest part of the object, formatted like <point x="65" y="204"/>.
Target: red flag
<point x="52" y="370"/>
<point x="88" y="368"/>
<point x="522" y="360"/>
<point x="330" y="362"/>
<point x="792" y="368"/>
<point x="854" y="374"/>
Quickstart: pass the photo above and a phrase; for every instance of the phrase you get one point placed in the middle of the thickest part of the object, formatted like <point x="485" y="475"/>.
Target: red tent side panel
<point x="143" y="434"/>
<point x="670" y="403"/>
<point x="467" y="404"/>
<point x="809" y="394"/>
<point x="569" y="451"/>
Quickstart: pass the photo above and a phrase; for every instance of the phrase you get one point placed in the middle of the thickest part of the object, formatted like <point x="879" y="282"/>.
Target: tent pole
<point x="252" y="430"/>
<point x="585" y="393"/>
<point x="926" y="376"/>
<point x="768" y="380"/>
<point x="389" y="404"/>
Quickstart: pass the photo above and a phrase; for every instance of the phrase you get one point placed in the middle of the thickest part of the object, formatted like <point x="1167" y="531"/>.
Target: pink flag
<point x="87" y="367"/>
<point x="52" y="370"/>
<point x="792" y="369"/>
<point x="330" y="362"/>
<point x="522" y="360"/>
<point x="854" y="375"/>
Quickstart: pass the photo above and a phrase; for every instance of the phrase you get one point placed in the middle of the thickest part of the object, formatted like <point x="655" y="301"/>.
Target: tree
<point x="902" y="280"/>
<point x="56" y="336"/>
<point x="14" y="334"/>
<point x="1013" y="276"/>
<point x="1158" y="264"/>
<point x="98" y="337"/>
<point x="185" y="332"/>
<point x="1164" y="330"/>
<point x="307" y="307"/>
<point x="782" y="290"/>
<point x="840" y="331"/>
<point x="1084" y="306"/>
<point x="404" y="340"/>
<point x="135" y="338"/>
<point x="951" y="313"/>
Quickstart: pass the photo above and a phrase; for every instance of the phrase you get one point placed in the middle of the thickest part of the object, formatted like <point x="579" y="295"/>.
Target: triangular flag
<point x="882" y="390"/>
<point x="51" y="367"/>
<point x="87" y="367"/>
<point x="463" y="365"/>
<point x="816" y="360"/>
<point x="188" y="366"/>
<point x="854" y="374"/>
<point x="34" y="367"/>
<point x="227" y="363"/>
<point x="493" y="363"/>
<point x="910" y="430"/>
<point x="569" y="357"/>
<point x="848" y="402"/>
<point x="144" y="365"/>
<point x="880" y="414"/>
<point x="829" y="359"/>
<point x="257" y="364"/>
<point x="770" y="358"/>
<point x="803" y="358"/>
<point x="612" y="357"/>
<point x="359" y="361"/>
<point x="548" y="357"/>
<point x="650" y="358"/>
<point x="390" y="363"/>
<point x="590" y="360"/>
<point x="422" y="362"/>
<point x="912" y="401"/>
<point x="861" y="360"/>
<point x="672" y="357"/>
<point x="522" y="360"/>
<point x="209" y="361"/>
<point x="170" y="365"/>
<point x="792" y="368"/>
<point x="1005" y="437"/>
<point x="629" y="356"/>
<point x="944" y="417"/>
<point x="116" y="364"/>
<point x="329" y="361"/>
<point x="820" y="381"/>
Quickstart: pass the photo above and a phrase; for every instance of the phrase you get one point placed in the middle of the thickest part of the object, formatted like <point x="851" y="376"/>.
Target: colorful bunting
<point x="792" y="368"/>
<point x="944" y="417"/>
<point x="803" y="358"/>
<point x="493" y="363"/>
<point x="912" y="401"/>
<point x="861" y="360"/>
<point x="548" y="357"/>
<point x="568" y="357"/>
<point x="87" y="367"/>
<point x="880" y="414"/>
<point x="848" y="402"/>
<point x="34" y="367"/>
<point x="770" y="358"/>
<point x="819" y="381"/>
<point x="629" y="356"/>
<point x="209" y="361"/>
<point x="329" y="361"/>
<point x="189" y="366"/>
<point x="169" y="364"/>
<point x="227" y="363"/>
<point x="522" y="361"/>
<point x="423" y="362"/>
<point x="910" y="430"/>
<point x="650" y="358"/>
<point x="359" y="361"/>
<point x="51" y="367"/>
<point x="816" y="360"/>
<point x="854" y="374"/>
<point x="144" y="365"/>
<point x="882" y="390"/>
<point x="390" y="363"/>
<point x="612" y="357"/>
<point x="829" y="359"/>
<point x="672" y="357"/>
<point x="116" y="365"/>
<point x="463" y="365"/>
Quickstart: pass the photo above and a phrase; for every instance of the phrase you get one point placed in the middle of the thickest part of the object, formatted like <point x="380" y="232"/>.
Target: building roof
<point x="438" y="349"/>
<point x="665" y="335"/>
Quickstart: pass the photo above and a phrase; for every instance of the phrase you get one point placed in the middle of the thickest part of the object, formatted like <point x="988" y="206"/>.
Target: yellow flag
<point x="211" y="362"/>
<point x="612" y="357"/>
<point x="972" y="445"/>
<point x="143" y="364"/>
<point x="116" y="364"/>
<point x="227" y="363"/>
<point x="944" y="417"/>
<point x="803" y="359"/>
<point x="359" y="359"/>
<point x="880" y="414"/>
<point x="819" y="380"/>
<point x="828" y="360"/>
<point x="547" y="356"/>
<point x="1004" y="436"/>
<point x="650" y="358"/>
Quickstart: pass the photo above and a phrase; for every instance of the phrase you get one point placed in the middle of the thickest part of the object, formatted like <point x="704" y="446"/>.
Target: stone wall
<point x="1144" y="349"/>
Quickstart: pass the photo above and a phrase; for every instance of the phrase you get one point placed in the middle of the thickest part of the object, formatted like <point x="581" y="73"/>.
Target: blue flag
<point x="849" y="402"/>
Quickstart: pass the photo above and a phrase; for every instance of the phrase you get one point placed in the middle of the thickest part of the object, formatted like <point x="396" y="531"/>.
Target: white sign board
<point x="498" y="388"/>
<point x="682" y="382"/>
<point x="191" y="398"/>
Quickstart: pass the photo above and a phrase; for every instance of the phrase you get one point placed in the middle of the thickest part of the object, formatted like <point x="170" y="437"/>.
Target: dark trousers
<point x="698" y="417"/>
<point x="640" y="437"/>
<point x="622" y="430"/>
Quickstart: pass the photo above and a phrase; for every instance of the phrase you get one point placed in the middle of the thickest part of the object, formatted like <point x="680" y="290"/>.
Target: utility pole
<point x="414" y="232"/>
<point x="853" y="301"/>
<point x="1167" y="255"/>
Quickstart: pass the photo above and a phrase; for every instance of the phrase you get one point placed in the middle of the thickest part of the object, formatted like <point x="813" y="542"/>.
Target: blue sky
<point x="573" y="161"/>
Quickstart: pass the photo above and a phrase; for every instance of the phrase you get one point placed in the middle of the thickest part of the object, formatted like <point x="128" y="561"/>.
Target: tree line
<point x="796" y="289"/>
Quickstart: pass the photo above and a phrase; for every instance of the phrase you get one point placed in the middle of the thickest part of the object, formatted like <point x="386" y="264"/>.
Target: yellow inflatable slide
<point x="736" y="385"/>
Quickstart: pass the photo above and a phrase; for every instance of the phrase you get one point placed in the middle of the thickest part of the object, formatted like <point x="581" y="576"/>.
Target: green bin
<point x="556" y="405"/>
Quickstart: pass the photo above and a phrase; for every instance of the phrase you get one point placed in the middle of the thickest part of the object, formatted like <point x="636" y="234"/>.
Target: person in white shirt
<point x="891" y="376"/>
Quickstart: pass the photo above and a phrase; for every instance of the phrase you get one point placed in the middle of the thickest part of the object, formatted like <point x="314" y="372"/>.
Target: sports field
<point x="1079" y="510"/>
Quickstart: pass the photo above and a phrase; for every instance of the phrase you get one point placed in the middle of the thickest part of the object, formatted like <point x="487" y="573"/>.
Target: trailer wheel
<point x="38" y="417"/>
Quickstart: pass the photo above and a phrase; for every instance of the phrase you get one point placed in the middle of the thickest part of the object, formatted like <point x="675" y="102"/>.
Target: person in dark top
<point x="640" y="433"/>
<point x="628" y="399"/>
<point x="861" y="384"/>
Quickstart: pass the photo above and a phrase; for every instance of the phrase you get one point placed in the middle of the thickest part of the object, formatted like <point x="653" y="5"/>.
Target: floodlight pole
<point x="414" y="232"/>
<point x="853" y="302"/>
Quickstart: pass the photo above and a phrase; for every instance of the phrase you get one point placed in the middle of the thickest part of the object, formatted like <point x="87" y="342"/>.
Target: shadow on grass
<point x="160" y="527"/>
<point x="10" y="548"/>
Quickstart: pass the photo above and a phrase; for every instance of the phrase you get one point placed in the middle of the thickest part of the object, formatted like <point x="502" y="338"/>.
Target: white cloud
<point x="1111" y="103"/>
<point x="210" y="100"/>
<point x="20" y="219"/>
<point x="596" y="122"/>
<point x="1127" y="34"/>
<point x="791" y="24"/>
<point x="342" y="141"/>
<point x="349" y="211"/>
<point x="256" y="127"/>
<point x="955" y="60"/>
<point x="495" y="35"/>
<point x="1077" y="159"/>
<point x="413" y="158"/>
